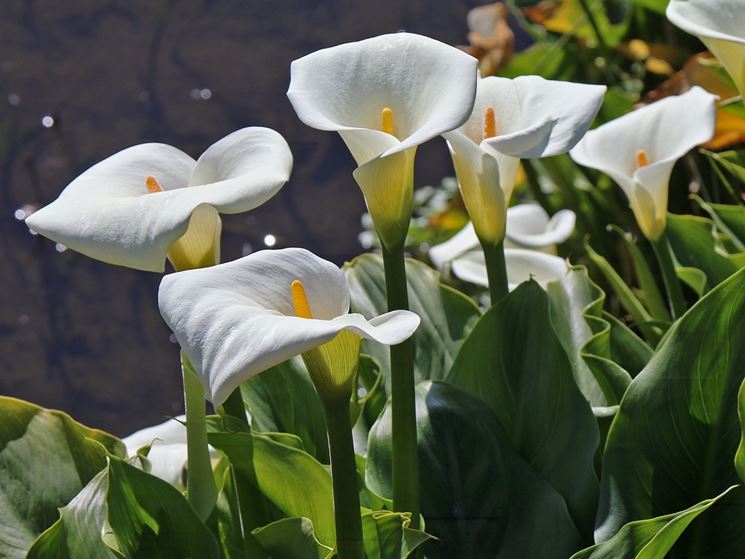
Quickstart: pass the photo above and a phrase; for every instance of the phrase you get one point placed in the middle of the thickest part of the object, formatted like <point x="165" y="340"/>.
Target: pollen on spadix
<point x="386" y="121"/>
<point x="153" y="185"/>
<point x="490" y="123"/>
<point x="300" y="300"/>
<point x="641" y="159"/>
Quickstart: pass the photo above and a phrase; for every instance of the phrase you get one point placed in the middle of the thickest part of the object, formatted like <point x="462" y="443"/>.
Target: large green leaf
<point x="295" y="482"/>
<point x="513" y="361"/>
<point x="387" y="535"/>
<point x="588" y="338"/>
<point x="79" y="530"/>
<point x="648" y="539"/>
<point x="478" y="496"/>
<point x="130" y="512"/>
<point x="674" y="438"/>
<point x="292" y="538"/>
<point x="283" y="400"/>
<point x="46" y="458"/>
<point x="447" y="315"/>
<point x="694" y="246"/>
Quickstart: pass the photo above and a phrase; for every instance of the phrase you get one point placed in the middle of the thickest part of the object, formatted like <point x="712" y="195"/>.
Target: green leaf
<point x="150" y="518"/>
<point x="694" y="246"/>
<point x="648" y="539"/>
<point x="651" y="293"/>
<point x="658" y="6"/>
<point x="46" y="458"/>
<point x="387" y="535"/>
<point x="626" y="297"/>
<point x="543" y="58"/>
<point x="729" y="219"/>
<point x="586" y="335"/>
<point x="447" y="315"/>
<point x="478" y="496"/>
<point x="130" y="512"/>
<point x="295" y="482"/>
<point x="515" y="363"/>
<point x="674" y="437"/>
<point x="78" y="531"/>
<point x="283" y="400"/>
<point x="740" y="455"/>
<point x="292" y="538"/>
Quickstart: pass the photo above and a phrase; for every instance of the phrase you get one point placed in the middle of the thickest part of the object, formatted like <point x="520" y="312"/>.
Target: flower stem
<point x="496" y="270"/>
<point x="201" y="490"/>
<point x="663" y="252"/>
<point x="405" y="460"/>
<point x="344" y="475"/>
<point x="250" y="499"/>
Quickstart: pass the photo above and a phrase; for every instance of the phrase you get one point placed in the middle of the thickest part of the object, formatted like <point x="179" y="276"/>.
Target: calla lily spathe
<point x="721" y="27"/>
<point x="522" y="265"/>
<point x="528" y="226"/>
<point x="385" y="96"/>
<point x="168" y="449"/>
<point x="640" y="149"/>
<point x="153" y="201"/>
<point x="237" y="319"/>
<point x="526" y="117"/>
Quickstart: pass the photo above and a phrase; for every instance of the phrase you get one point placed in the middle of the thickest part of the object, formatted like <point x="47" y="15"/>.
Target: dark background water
<point x="82" y="79"/>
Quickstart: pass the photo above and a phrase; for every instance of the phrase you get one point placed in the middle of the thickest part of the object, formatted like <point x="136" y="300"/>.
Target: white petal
<point x="522" y="265"/>
<point x="486" y="180"/>
<point x="168" y="450"/>
<point x="236" y="320"/>
<point x="527" y="219"/>
<point x="667" y="129"/>
<point x="723" y="20"/>
<point x="463" y="241"/>
<point x="522" y="232"/>
<point x="108" y="214"/>
<point x="534" y="117"/>
<point x="429" y="86"/>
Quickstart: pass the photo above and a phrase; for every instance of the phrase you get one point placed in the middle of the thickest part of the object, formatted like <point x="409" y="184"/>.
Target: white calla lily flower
<point x="522" y="265"/>
<point x="720" y="26"/>
<point x="640" y="149"/>
<point x="153" y="201"/>
<point x="385" y="96"/>
<point x="237" y="319"/>
<point x="528" y="226"/>
<point x="512" y="119"/>
<point x="168" y="449"/>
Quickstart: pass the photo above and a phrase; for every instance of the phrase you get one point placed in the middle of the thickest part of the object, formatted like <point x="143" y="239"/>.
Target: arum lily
<point x="527" y="117"/>
<point x="167" y="449"/>
<point x="720" y="26"/>
<point x="522" y="265"/>
<point x="639" y="151"/>
<point x="153" y="201"/>
<point x="528" y="226"/>
<point x="235" y="320"/>
<point x="385" y="96"/>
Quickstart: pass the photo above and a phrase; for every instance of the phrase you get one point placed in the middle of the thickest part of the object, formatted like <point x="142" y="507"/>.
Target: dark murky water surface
<point x="80" y="80"/>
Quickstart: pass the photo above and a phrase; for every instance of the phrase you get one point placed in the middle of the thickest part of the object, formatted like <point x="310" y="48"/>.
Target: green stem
<point x="201" y="490"/>
<point x="250" y="500"/>
<point x="496" y="270"/>
<point x="405" y="460"/>
<point x="663" y="252"/>
<point x="344" y="475"/>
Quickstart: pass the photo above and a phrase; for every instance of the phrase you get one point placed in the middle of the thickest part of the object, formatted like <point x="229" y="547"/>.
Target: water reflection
<point x="84" y="79"/>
